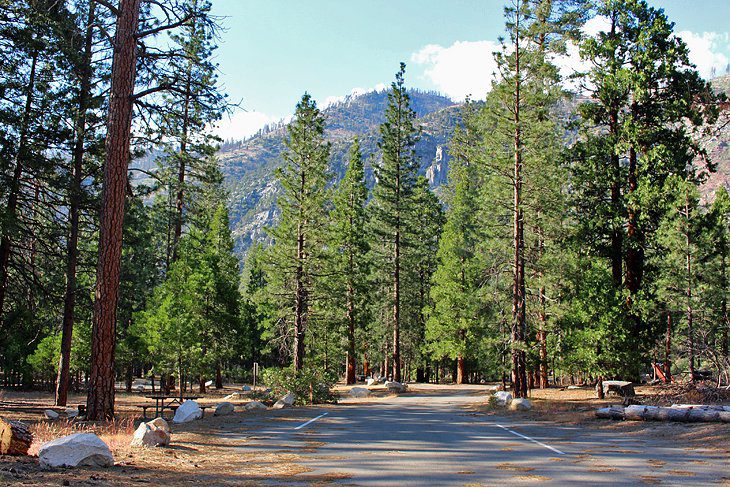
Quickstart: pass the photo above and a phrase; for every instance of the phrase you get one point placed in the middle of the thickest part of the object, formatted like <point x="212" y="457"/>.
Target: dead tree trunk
<point x="100" y="401"/>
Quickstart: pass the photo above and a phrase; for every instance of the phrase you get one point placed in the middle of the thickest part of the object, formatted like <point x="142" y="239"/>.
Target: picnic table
<point x="163" y="402"/>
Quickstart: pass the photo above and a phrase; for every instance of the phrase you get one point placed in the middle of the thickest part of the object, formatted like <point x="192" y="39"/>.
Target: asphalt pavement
<point x="434" y="440"/>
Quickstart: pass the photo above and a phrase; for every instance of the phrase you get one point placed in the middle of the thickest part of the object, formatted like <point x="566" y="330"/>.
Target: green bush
<point x="310" y="386"/>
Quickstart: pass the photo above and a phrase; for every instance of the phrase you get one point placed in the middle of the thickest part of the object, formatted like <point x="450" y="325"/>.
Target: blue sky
<point x="272" y="51"/>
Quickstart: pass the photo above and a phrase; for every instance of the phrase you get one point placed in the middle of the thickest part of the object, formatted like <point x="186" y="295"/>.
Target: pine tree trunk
<point x="14" y="187"/>
<point x="69" y="302"/>
<point x="179" y="198"/>
<point x="617" y="230"/>
<point x="542" y="336"/>
<point x="668" y="349"/>
<point x="350" y="331"/>
<point x="396" y="309"/>
<point x="300" y="298"/>
<point x="519" y="375"/>
<point x="690" y="314"/>
<point x="218" y="376"/>
<point x="100" y="401"/>
<point x="461" y="370"/>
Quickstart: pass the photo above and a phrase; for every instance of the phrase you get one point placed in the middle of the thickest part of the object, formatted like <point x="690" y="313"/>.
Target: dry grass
<point x="116" y="434"/>
<point x="198" y="454"/>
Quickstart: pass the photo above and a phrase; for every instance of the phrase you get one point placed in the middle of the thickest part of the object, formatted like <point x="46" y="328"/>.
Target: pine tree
<point x="420" y="260"/>
<point x="392" y="196"/>
<point x="349" y="259"/>
<point x="648" y="97"/>
<point x="453" y="325"/>
<point x="298" y="246"/>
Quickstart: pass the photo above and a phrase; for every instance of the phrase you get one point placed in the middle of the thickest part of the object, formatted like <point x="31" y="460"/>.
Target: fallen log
<point x="613" y="412"/>
<point x="688" y="414"/>
<point x="15" y="438"/>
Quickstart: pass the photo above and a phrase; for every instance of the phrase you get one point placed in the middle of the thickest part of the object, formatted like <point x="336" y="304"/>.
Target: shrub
<point x="310" y="386"/>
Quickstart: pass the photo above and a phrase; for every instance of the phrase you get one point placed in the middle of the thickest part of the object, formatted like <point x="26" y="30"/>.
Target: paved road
<point x="434" y="440"/>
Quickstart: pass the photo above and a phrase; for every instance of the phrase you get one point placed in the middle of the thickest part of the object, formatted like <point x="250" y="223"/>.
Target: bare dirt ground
<point x="210" y="451"/>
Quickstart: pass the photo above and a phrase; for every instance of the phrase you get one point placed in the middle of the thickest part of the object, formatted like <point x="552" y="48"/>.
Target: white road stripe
<point x="532" y="440"/>
<point x="310" y="421"/>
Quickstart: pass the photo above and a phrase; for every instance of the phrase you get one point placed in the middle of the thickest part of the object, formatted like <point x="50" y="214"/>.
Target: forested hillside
<point x="250" y="165"/>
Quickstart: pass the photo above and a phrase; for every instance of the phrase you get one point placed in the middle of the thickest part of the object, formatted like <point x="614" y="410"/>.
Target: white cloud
<point x="331" y="100"/>
<point x="704" y="51"/>
<point x="242" y="124"/>
<point x="464" y="68"/>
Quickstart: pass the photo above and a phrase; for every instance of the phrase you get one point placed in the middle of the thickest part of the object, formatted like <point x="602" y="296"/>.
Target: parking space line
<point x="532" y="440"/>
<point x="310" y="421"/>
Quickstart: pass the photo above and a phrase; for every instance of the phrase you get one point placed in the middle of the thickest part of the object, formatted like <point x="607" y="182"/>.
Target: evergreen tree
<point x="453" y="325"/>
<point x="297" y="252"/>
<point x="349" y="259"/>
<point x="392" y="198"/>
<point x="646" y="96"/>
<point x="420" y="261"/>
<point x="192" y="320"/>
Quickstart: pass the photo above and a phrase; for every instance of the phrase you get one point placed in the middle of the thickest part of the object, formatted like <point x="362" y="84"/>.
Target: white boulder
<point x="149" y="434"/>
<point x="520" y="404"/>
<point x="396" y="387"/>
<point x="286" y="401"/>
<point x="75" y="450"/>
<point x="231" y="397"/>
<point x="370" y="381"/>
<point x="209" y="383"/>
<point x="250" y="406"/>
<point x="72" y="412"/>
<point x="188" y="411"/>
<point x="502" y="398"/>
<point x="51" y="414"/>
<point x="223" y="409"/>
<point x="359" y="392"/>
<point x="160" y="423"/>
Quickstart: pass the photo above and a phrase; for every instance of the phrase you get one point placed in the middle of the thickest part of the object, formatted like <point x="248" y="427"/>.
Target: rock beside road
<point x="224" y="409"/>
<point x="359" y="392"/>
<point x="250" y="406"/>
<point x="395" y="387"/>
<point x="286" y="401"/>
<point x="502" y="398"/>
<point x="520" y="404"/>
<point x="76" y="450"/>
<point x="188" y="411"/>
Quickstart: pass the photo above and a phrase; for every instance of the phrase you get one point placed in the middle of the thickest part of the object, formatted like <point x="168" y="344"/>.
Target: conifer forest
<point x="572" y="236"/>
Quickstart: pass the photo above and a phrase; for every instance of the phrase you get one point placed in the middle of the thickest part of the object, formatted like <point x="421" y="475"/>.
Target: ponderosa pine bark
<point x="100" y="400"/>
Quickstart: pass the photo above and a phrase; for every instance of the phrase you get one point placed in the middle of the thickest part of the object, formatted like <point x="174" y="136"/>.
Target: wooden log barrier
<point x="15" y="438"/>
